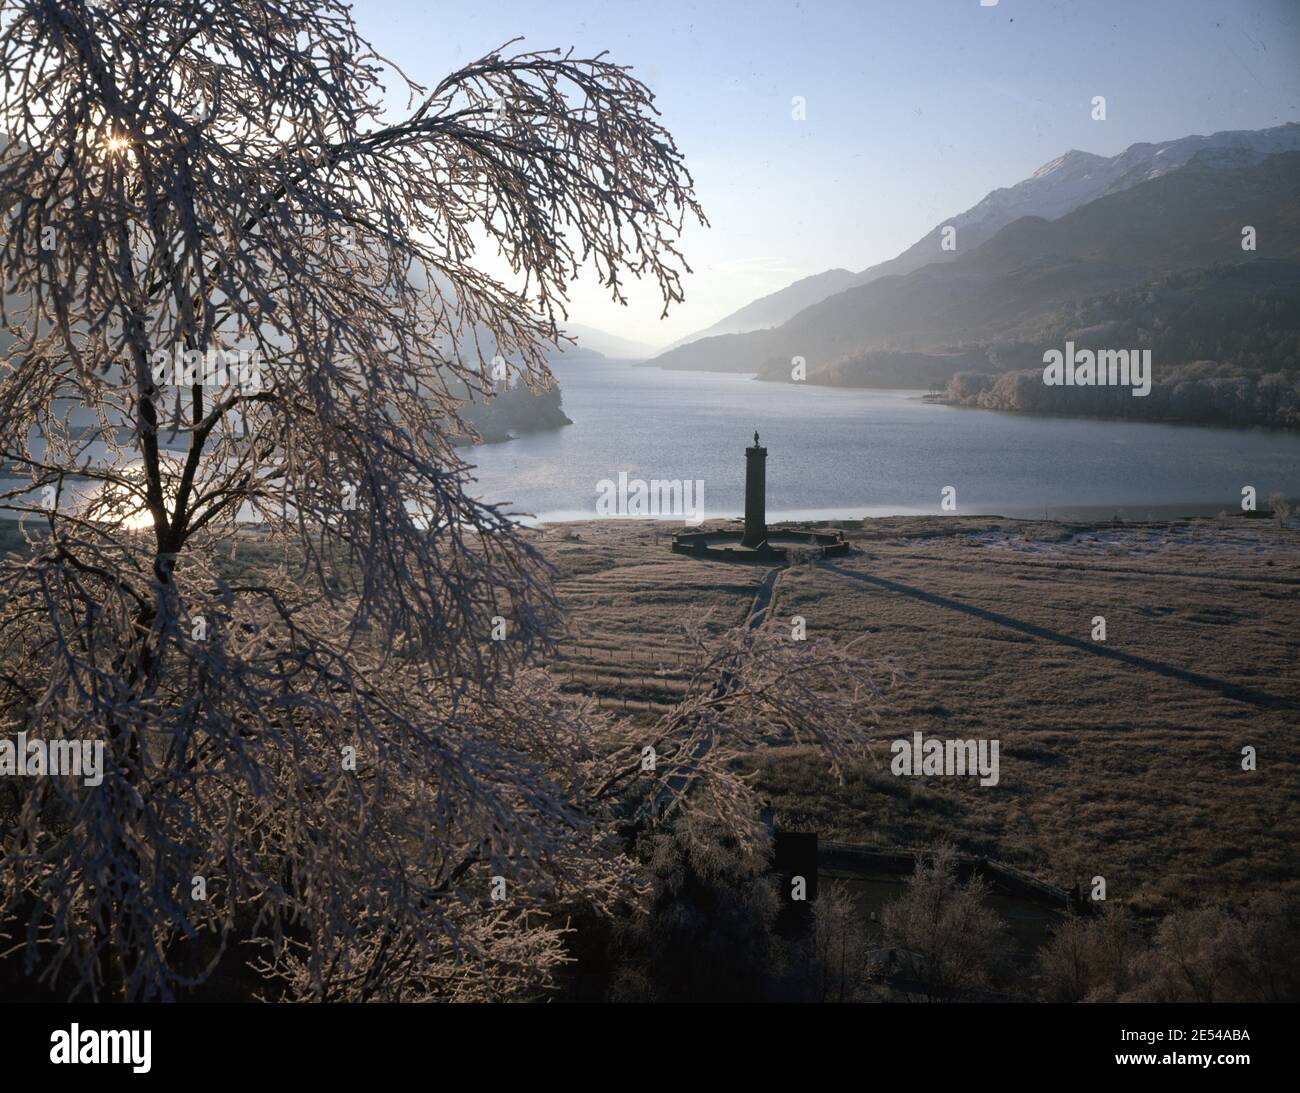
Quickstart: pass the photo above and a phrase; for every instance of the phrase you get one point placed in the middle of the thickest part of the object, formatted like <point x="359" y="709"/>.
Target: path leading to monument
<point x="763" y="599"/>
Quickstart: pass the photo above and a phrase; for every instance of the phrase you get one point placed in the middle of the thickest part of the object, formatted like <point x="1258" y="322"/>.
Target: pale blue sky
<point x="915" y="108"/>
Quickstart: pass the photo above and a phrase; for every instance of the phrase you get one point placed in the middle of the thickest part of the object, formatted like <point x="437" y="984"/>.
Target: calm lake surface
<point x="845" y="454"/>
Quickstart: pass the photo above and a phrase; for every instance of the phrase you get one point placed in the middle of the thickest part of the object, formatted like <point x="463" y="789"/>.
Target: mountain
<point x="1055" y="189"/>
<point x="1224" y="343"/>
<point x="1078" y="178"/>
<point x="777" y="307"/>
<point x="598" y="344"/>
<point x="1181" y="220"/>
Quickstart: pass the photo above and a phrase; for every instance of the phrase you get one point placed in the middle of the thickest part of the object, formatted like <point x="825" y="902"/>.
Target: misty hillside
<point x="1224" y="341"/>
<point x="599" y="345"/>
<point x="776" y="307"/>
<point x="1055" y="189"/>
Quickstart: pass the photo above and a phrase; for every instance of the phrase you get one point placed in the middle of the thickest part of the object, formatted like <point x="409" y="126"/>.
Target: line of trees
<point x="712" y="936"/>
<point x="1214" y="953"/>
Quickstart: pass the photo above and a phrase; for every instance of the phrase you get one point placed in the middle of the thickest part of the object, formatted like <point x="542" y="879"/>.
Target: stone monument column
<point x="755" y="496"/>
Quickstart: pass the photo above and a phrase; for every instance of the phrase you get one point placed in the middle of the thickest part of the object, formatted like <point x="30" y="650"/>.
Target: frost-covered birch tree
<point x="242" y="310"/>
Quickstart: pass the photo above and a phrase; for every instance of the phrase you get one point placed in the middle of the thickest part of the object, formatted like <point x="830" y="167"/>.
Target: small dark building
<point x="794" y="854"/>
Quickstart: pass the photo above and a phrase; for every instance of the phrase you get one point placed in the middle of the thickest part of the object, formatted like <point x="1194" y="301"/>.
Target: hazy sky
<point x="915" y="108"/>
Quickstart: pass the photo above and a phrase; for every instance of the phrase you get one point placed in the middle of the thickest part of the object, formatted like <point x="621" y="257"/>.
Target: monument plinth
<point x="756" y="543"/>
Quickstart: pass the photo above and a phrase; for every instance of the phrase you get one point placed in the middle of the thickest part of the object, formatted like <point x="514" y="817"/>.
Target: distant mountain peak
<point x="1072" y="160"/>
<point x="1056" y="189"/>
<point x="1038" y="246"/>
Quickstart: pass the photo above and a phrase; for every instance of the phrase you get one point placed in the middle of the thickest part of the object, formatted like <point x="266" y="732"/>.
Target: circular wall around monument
<point x="778" y="547"/>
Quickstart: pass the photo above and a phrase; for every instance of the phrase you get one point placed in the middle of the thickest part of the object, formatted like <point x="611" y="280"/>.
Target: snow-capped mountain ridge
<point x="1055" y="189"/>
<point x="1076" y="178"/>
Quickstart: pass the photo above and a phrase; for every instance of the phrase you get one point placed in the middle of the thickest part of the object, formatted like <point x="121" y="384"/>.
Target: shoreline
<point x="844" y="519"/>
<point x="943" y="400"/>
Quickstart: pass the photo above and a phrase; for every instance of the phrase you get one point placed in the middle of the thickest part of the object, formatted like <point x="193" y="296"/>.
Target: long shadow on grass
<point x="1229" y="690"/>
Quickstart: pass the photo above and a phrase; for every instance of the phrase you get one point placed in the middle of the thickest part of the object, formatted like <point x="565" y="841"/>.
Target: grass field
<point x="1120" y="759"/>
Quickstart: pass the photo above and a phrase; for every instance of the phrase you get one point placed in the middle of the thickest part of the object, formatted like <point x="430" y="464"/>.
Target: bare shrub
<point x="1220" y="954"/>
<point x="1202" y="954"/>
<point x="951" y="942"/>
<point x="1090" y="959"/>
<point x="1281" y="508"/>
<point x="705" y="933"/>
<point x="839" y="946"/>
